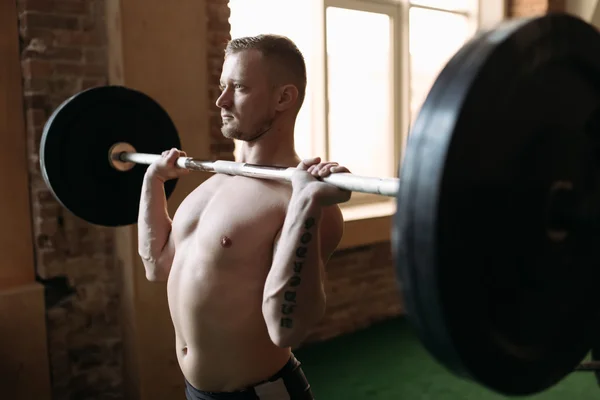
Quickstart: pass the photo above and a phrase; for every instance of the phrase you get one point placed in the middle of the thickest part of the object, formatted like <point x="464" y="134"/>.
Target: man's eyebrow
<point x="235" y="81"/>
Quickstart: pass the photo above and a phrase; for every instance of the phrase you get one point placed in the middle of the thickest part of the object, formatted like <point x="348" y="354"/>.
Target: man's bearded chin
<point x="232" y="133"/>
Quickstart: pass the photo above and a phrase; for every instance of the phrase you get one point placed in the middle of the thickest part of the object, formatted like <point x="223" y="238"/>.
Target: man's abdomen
<point x="221" y="337"/>
<point x="221" y="368"/>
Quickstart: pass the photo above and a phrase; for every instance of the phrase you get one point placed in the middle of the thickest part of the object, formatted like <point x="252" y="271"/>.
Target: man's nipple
<point x="225" y="241"/>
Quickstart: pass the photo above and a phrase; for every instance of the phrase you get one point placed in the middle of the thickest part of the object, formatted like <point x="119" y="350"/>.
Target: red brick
<point x="90" y="83"/>
<point x="66" y="86"/>
<point x="52" y="53"/>
<point x="36" y="117"/>
<point x="49" y="21"/>
<point x="66" y="53"/>
<point x="94" y="71"/>
<point x="55" y="6"/>
<point x="218" y="25"/>
<point x="43" y="196"/>
<point x="62" y="69"/>
<point x="35" y="135"/>
<point x="50" y="211"/>
<point x="44" y="35"/>
<point x="48" y="227"/>
<point x="95" y="56"/>
<point x="34" y="100"/>
<point x="77" y="38"/>
<point x="35" y="85"/>
<point x="218" y="37"/>
<point x="218" y="13"/>
<point x="36" y="69"/>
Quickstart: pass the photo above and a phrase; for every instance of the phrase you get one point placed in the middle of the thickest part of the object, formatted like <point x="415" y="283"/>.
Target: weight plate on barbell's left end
<point x="493" y="294"/>
<point x="75" y="145"/>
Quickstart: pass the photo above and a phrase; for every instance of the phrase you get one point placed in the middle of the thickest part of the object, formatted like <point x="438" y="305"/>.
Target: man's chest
<point x="233" y="213"/>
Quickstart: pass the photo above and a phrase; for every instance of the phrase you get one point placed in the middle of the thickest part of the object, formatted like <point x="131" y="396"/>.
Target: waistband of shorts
<point x="289" y="367"/>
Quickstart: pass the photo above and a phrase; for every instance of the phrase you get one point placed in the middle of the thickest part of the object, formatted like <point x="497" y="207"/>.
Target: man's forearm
<point x="294" y="296"/>
<point x="154" y="227"/>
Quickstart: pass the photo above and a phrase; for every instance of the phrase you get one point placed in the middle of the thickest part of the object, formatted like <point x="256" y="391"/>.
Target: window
<point x="370" y="65"/>
<point x="361" y="83"/>
<point x="429" y="49"/>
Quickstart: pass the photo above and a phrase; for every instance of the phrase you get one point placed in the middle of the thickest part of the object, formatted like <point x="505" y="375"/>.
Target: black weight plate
<point x="75" y="146"/>
<point x="491" y="294"/>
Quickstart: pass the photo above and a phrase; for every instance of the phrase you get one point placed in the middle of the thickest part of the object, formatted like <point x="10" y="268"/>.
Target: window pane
<point x="360" y="76"/>
<point x="430" y="50"/>
<point x="454" y="5"/>
<point x="254" y="17"/>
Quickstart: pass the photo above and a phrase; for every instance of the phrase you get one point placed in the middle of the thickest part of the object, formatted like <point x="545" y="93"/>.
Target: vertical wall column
<point x="158" y="48"/>
<point x="24" y="369"/>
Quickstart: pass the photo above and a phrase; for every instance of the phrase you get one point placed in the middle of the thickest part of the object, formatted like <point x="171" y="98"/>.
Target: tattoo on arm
<point x="289" y="296"/>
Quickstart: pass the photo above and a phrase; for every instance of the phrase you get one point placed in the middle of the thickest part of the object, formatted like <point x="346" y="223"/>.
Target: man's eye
<point x="238" y="86"/>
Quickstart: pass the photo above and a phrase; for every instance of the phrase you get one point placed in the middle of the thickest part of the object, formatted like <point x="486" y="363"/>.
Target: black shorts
<point x="287" y="384"/>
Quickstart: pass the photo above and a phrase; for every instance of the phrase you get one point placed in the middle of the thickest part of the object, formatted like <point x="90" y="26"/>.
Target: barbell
<point x="495" y="235"/>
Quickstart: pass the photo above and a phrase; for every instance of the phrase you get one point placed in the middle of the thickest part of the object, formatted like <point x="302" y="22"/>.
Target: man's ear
<point x="288" y="95"/>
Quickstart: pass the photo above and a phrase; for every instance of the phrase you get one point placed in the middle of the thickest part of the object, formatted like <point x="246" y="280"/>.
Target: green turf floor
<point x="387" y="361"/>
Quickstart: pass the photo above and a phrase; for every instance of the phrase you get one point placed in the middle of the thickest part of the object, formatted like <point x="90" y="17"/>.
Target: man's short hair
<point x="280" y="49"/>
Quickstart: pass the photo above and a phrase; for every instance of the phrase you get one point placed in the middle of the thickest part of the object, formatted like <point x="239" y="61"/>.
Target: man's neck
<point x="275" y="151"/>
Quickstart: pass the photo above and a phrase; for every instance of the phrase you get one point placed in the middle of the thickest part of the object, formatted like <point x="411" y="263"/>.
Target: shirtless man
<point x="244" y="258"/>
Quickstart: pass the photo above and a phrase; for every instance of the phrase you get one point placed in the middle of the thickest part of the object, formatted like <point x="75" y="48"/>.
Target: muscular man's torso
<point x="223" y="235"/>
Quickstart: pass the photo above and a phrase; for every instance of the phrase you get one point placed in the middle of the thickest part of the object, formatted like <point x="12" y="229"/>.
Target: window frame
<point x="398" y="41"/>
<point x="369" y="219"/>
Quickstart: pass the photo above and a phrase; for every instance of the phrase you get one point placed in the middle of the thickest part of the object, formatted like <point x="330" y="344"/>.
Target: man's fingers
<point x="328" y="170"/>
<point x="326" y="167"/>
<point x="338" y="168"/>
<point x="174" y="154"/>
<point x="308" y="162"/>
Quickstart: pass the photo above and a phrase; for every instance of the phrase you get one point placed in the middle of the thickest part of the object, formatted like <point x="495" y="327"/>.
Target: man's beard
<point x="232" y="133"/>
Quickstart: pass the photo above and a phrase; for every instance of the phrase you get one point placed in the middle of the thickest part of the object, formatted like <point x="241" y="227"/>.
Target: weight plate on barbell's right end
<point x="491" y="294"/>
<point x="75" y="146"/>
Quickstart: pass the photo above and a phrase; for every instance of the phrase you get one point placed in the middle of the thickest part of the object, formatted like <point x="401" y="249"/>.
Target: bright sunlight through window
<point x="361" y="96"/>
<point x="431" y="49"/>
<point x="254" y="17"/>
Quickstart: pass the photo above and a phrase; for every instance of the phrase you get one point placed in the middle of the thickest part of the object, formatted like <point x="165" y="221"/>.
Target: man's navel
<point x="225" y="241"/>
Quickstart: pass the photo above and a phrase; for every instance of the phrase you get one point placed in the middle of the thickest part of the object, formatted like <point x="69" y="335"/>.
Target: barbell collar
<point x="344" y="180"/>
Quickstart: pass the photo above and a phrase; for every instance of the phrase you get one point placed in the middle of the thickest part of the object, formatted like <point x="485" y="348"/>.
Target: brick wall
<point x="63" y="52"/>
<point x="362" y="289"/>
<point x="218" y="36"/>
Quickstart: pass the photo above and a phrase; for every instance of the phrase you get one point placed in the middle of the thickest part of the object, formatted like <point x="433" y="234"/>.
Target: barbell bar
<point x="506" y="144"/>
<point x="123" y="159"/>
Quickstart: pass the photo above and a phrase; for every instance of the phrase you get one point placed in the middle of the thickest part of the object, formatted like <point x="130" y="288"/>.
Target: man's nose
<point x="224" y="100"/>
